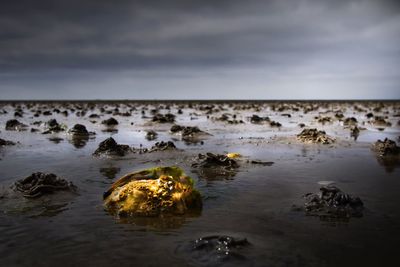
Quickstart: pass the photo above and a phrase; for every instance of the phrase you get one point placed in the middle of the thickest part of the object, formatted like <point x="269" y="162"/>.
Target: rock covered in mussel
<point x="164" y="118"/>
<point x="386" y="147"/>
<point x="38" y="184"/>
<point x="187" y="132"/>
<point x="111" y="147"/>
<point x="153" y="192"/>
<point x="331" y="202"/>
<point x="161" y="146"/>
<point x="151" y="135"/>
<point x="210" y="160"/>
<point x="315" y="136"/>
<point x="110" y="122"/>
<point x="54" y="127"/>
<point x="80" y="130"/>
<point x="6" y="143"/>
<point x="15" y="125"/>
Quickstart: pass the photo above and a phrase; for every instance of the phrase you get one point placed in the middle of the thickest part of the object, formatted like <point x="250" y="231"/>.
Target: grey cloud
<point x="61" y="39"/>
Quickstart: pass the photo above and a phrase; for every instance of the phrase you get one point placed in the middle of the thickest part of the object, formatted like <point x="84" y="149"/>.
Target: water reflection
<point x="160" y="222"/>
<point x="79" y="141"/>
<point x="110" y="172"/>
<point x="389" y="162"/>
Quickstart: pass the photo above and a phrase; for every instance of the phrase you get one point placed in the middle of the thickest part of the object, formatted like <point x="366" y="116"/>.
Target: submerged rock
<point x="38" y="184"/>
<point x="315" y="136"/>
<point x="331" y="202"/>
<point x="6" y="142"/>
<point x="386" y="147"/>
<point x="153" y="192"/>
<point x="15" y="125"/>
<point x="161" y="118"/>
<point x="216" y="249"/>
<point x="110" y="147"/>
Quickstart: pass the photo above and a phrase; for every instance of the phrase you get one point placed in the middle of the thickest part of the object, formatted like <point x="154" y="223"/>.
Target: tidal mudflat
<point x="280" y="183"/>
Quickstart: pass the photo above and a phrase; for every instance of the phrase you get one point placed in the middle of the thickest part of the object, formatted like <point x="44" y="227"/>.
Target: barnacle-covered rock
<point x="331" y="202"/>
<point x="161" y="118"/>
<point x="38" y="184"/>
<point x="386" y="147"/>
<point x="15" y="125"/>
<point x="152" y="192"/>
<point x="315" y="136"/>
<point x="111" y="147"/>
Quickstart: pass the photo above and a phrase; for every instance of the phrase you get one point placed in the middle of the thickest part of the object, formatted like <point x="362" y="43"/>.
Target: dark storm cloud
<point x="277" y="39"/>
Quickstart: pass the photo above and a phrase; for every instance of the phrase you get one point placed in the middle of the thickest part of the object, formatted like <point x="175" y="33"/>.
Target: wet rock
<point x="257" y="119"/>
<point x="263" y="163"/>
<point x="164" y="118"/>
<point x="110" y="147"/>
<point x="15" y="125"/>
<point x="324" y="120"/>
<point x="211" y="160"/>
<point x="350" y="121"/>
<point x="331" y="202"/>
<point x="386" y="147"/>
<point x="151" y="135"/>
<point x="110" y="122"/>
<point x="38" y="184"/>
<point x="315" y="136"/>
<point x="54" y="127"/>
<point x="80" y="130"/>
<point x="18" y="114"/>
<point x="369" y="115"/>
<point x="161" y="146"/>
<point x="187" y="132"/>
<point x="152" y="192"/>
<point x="6" y="143"/>
<point x="354" y="132"/>
<point x="94" y="116"/>
<point x="275" y="124"/>
<point x="380" y="121"/>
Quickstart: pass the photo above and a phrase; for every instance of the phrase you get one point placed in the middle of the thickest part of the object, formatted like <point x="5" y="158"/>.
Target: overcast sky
<point x="173" y="49"/>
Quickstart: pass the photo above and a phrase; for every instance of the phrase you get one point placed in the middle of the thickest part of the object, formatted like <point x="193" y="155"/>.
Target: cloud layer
<point x="200" y="49"/>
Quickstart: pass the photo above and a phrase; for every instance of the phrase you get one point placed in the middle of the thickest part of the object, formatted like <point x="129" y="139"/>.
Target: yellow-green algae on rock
<point x="152" y="192"/>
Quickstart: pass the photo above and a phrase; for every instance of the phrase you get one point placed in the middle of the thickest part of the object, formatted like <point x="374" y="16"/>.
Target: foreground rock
<point x="38" y="184"/>
<point x="6" y="143"/>
<point x="15" y="125"/>
<point x="110" y="147"/>
<point x="315" y="136"/>
<point x="386" y="147"/>
<point x="331" y="203"/>
<point x="152" y="192"/>
<point x="80" y="130"/>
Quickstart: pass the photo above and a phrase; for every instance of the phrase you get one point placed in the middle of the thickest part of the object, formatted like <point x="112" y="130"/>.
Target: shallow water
<point x="253" y="203"/>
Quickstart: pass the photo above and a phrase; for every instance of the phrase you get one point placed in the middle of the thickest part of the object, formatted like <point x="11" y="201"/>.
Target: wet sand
<point x="254" y="202"/>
